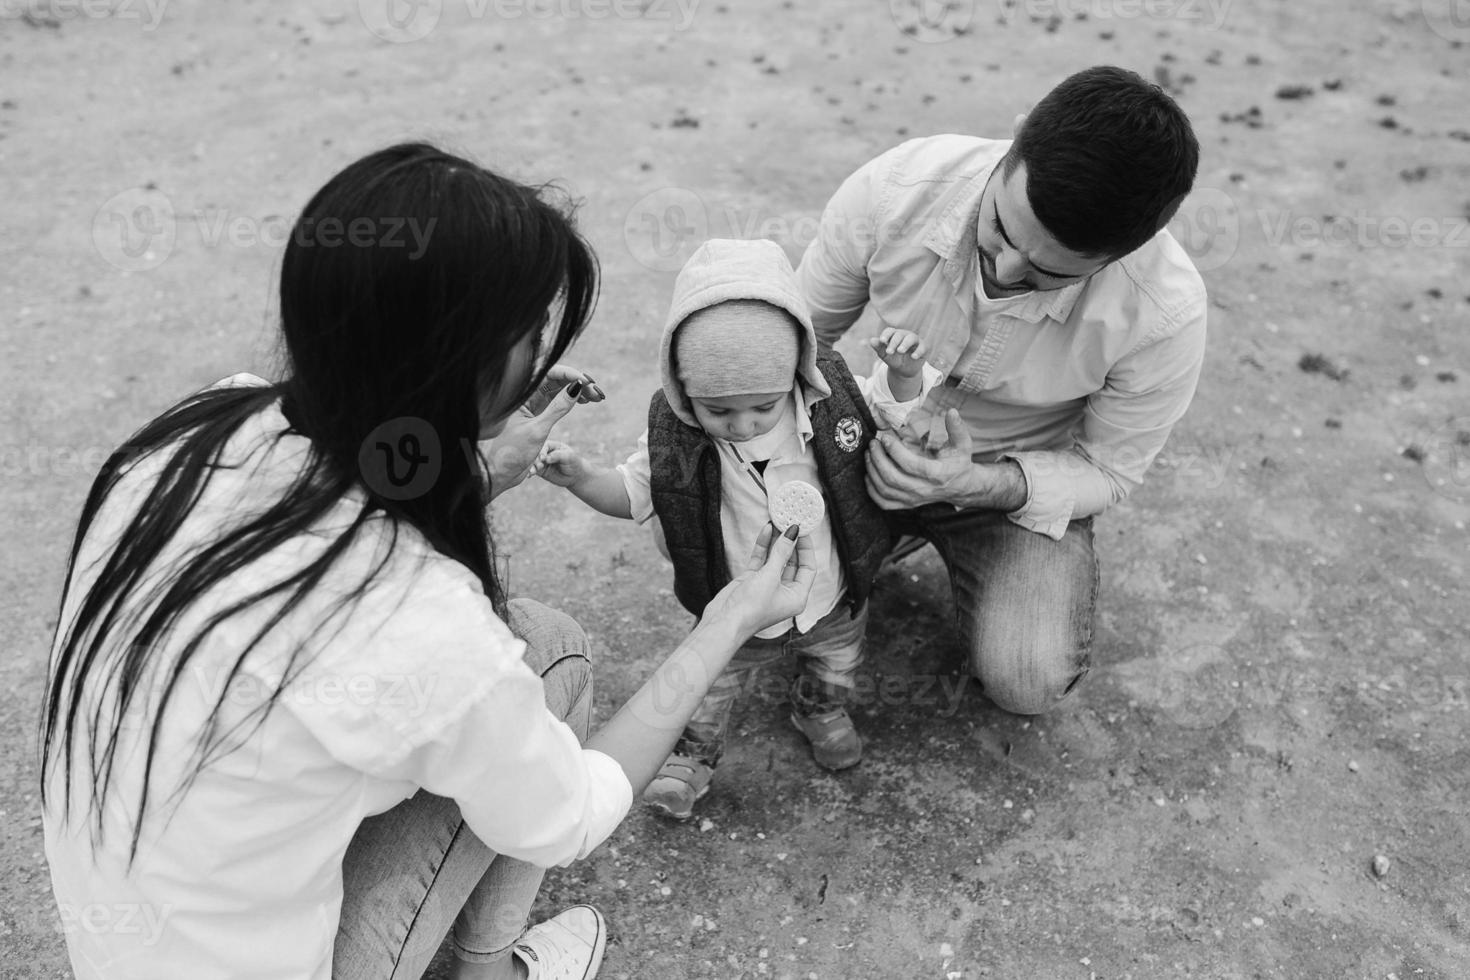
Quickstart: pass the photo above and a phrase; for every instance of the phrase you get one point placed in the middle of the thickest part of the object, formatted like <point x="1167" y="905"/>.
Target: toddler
<point x="749" y="410"/>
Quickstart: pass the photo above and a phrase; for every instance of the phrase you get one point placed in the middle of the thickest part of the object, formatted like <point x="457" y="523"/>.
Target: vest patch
<point x="848" y="434"/>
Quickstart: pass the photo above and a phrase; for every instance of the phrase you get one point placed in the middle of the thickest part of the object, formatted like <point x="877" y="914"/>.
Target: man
<point x="1070" y="328"/>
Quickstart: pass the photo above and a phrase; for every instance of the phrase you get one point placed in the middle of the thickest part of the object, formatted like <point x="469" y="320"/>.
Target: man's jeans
<point x="1024" y="603"/>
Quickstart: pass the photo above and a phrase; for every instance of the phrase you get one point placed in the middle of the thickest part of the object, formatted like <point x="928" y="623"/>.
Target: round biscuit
<point x="797" y="502"/>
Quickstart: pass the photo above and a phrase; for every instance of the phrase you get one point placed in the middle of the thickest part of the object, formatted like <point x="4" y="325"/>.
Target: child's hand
<point x="561" y="464"/>
<point x="901" y="350"/>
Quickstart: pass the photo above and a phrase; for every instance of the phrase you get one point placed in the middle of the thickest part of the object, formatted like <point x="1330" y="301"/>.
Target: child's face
<point x="738" y="418"/>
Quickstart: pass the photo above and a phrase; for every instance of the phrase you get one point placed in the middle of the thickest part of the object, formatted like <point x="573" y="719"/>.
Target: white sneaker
<point x="567" y="946"/>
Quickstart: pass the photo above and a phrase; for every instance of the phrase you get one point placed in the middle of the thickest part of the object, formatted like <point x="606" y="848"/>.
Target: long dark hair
<point x="408" y="281"/>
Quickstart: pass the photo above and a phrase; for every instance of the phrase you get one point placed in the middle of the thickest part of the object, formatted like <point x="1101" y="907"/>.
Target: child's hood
<point x="729" y="269"/>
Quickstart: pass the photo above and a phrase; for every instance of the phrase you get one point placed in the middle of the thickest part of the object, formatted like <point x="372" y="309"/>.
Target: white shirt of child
<point x="744" y="490"/>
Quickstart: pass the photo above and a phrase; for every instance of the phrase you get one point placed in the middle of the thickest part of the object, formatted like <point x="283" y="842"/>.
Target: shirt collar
<point x="802" y="415"/>
<point x="953" y="239"/>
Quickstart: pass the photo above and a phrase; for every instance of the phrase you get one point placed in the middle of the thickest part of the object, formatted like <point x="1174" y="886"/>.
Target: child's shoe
<point x="835" y="741"/>
<point x="680" y="784"/>
<point x="567" y="946"/>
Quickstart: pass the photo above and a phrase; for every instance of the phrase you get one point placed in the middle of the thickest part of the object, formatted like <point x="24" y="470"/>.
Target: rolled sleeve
<point x="637" y="475"/>
<point x="1124" y="426"/>
<point x="833" y="274"/>
<point x="540" y="796"/>
<point x="889" y="412"/>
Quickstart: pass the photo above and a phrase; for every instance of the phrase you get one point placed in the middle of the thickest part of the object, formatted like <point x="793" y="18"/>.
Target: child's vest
<point x="685" y="484"/>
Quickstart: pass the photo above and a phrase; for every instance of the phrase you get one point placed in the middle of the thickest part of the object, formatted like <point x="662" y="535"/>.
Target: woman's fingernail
<point x="574" y="389"/>
<point x="792" y="531"/>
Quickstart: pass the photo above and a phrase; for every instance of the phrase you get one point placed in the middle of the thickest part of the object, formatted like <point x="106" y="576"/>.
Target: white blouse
<point x="418" y="685"/>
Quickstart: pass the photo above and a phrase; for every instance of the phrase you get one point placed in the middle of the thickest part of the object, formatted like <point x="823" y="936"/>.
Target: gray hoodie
<point x="724" y="269"/>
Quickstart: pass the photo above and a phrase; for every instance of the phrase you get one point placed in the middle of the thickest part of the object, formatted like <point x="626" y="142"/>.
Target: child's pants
<point x="828" y="654"/>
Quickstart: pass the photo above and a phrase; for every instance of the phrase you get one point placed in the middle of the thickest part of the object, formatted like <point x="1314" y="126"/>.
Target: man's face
<point x="1018" y="255"/>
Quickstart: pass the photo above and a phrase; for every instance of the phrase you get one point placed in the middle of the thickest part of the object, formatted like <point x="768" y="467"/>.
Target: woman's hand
<point x="513" y="454"/>
<point x="558" y="377"/>
<point x="775" y="585"/>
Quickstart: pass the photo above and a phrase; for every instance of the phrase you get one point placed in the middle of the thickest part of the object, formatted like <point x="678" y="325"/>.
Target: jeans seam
<point x="424" y="900"/>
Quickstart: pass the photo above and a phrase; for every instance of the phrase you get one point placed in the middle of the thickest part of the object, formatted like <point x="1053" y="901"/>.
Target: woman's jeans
<point x="828" y="656"/>
<point x="1024" y="603"/>
<point x="413" y="872"/>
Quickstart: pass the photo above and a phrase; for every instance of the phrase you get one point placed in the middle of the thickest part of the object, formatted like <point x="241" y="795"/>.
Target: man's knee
<point x="1031" y="681"/>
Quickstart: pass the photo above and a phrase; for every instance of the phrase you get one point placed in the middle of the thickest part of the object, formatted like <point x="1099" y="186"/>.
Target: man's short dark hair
<point x="1109" y="158"/>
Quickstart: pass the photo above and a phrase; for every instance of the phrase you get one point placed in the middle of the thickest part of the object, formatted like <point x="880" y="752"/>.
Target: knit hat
<point x="725" y="270"/>
<point x="738" y="347"/>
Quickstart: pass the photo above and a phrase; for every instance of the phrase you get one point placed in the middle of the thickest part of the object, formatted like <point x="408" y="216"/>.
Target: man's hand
<point x="902" y="476"/>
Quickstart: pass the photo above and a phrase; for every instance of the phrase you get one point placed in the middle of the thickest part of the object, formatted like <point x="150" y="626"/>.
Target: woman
<point x="293" y="723"/>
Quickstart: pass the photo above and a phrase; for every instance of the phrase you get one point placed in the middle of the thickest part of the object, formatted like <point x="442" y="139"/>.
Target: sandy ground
<point x="1282" y="687"/>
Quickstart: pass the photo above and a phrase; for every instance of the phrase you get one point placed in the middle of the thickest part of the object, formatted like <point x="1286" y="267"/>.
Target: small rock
<point x="1352" y="765"/>
<point x="1320" y="364"/>
<point x="1380" y="865"/>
